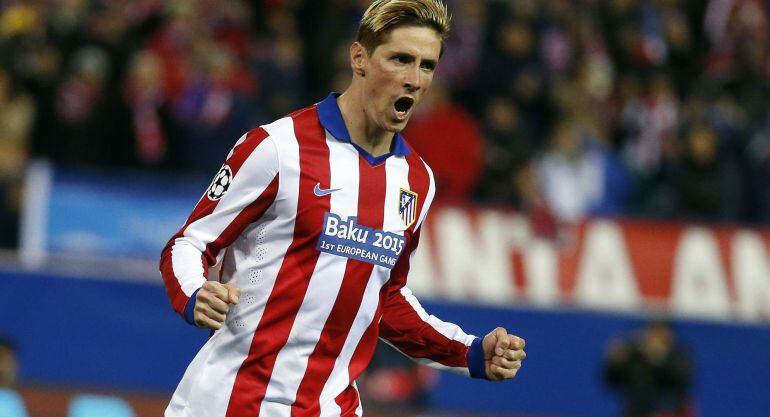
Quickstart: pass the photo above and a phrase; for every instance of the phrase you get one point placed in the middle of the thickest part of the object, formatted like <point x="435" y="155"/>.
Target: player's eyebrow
<point x="402" y="54"/>
<point x="429" y="62"/>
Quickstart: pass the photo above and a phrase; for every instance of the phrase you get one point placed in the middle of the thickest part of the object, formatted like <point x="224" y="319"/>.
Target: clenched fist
<point x="503" y="354"/>
<point x="213" y="303"/>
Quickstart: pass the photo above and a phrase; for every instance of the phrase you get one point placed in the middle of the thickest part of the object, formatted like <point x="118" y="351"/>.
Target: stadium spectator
<point x="652" y="373"/>
<point x="147" y="125"/>
<point x="705" y="186"/>
<point x="759" y="151"/>
<point x="464" y="46"/>
<point x="450" y="141"/>
<point x="507" y="149"/>
<point x="84" y="107"/>
<point x="579" y="177"/>
<point x="8" y="363"/>
<point x="529" y="199"/>
<point x="653" y="120"/>
<point x="16" y="116"/>
<point x="214" y="106"/>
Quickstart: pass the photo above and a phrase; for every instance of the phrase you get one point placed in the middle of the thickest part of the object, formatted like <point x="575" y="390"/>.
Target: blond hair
<point x="382" y="16"/>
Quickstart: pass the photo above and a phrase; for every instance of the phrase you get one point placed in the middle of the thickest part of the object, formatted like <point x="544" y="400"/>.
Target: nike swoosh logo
<point x="321" y="192"/>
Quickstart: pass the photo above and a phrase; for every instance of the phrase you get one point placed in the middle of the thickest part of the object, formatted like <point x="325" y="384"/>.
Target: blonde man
<point x="315" y="218"/>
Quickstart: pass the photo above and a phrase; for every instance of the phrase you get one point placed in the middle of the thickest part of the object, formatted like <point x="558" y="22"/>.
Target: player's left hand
<point x="503" y="354"/>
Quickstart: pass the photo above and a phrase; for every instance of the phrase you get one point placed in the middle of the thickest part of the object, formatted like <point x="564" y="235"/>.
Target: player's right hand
<point x="213" y="303"/>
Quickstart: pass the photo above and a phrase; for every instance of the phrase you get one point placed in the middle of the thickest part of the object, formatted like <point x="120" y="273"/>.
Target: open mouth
<point x="402" y="106"/>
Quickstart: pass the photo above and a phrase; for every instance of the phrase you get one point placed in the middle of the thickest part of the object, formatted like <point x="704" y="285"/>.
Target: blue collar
<point x="331" y="119"/>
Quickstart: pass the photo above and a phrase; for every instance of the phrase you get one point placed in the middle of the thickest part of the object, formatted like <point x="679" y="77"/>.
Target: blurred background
<point x="603" y="174"/>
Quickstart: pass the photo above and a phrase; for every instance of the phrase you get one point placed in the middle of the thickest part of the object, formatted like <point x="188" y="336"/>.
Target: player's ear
<point x="358" y="58"/>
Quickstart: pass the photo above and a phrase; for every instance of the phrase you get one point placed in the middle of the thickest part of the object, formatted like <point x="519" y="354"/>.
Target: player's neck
<point x="363" y="133"/>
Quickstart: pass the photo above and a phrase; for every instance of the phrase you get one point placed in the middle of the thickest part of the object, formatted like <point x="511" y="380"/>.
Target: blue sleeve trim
<point x="476" y="360"/>
<point x="189" y="309"/>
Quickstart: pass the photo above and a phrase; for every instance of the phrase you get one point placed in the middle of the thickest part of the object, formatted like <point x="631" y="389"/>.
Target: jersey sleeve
<point x="241" y="192"/>
<point x="424" y="338"/>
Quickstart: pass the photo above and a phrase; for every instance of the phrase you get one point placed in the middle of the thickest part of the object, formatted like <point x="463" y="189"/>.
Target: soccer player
<point x="315" y="218"/>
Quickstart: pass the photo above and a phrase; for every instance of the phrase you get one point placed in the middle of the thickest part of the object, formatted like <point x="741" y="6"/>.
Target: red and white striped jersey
<point x="318" y="235"/>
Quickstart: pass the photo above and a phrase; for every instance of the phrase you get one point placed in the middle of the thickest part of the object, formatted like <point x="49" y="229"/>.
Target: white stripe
<point x="448" y="330"/>
<point x="360" y="408"/>
<point x="397" y="176"/>
<point x="323" y="289"/>
<point x="429" y="197"/>
<point x="207" y="384"/>
<point x="187" y="272"/>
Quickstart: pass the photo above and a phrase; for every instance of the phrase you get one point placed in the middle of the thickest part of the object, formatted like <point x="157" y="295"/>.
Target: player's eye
<point x="402" y="59"/>
<point x="430" y="66"/>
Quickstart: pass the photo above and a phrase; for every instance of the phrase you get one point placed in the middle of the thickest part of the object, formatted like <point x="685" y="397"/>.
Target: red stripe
<point x="422" y="341"/>
<point x="204" y="207"/>
<point x="371" y="210"/>
<point x="348" y="401"/>
<point x="295" y="272"/>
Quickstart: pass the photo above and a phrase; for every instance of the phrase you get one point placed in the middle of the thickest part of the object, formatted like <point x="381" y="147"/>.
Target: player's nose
<point x="412" y="80"/>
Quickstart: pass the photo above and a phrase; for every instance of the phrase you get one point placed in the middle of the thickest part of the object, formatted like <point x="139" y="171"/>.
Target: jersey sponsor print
<point x="352" y="240"/>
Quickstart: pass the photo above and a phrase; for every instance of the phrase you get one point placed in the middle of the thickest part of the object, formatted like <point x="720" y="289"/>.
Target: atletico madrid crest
<point x="407" y="207"/>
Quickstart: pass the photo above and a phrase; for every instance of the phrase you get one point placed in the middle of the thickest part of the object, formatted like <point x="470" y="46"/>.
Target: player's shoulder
<point x="305" y="111"/>
<point x="284" y="126"/>
<point x="256" y="141"/>
<point x="415" y="160"/>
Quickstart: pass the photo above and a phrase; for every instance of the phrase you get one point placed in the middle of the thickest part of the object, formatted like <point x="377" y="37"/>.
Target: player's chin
<point x="396" y="125"/>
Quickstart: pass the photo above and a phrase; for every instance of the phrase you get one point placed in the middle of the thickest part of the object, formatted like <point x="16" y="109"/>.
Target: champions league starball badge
<point x="221" y="183"/>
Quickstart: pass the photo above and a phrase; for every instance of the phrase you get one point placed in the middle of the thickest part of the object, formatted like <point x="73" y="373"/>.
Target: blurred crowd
<point x="652" y="373"/>
<point x="561" y="108"/>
